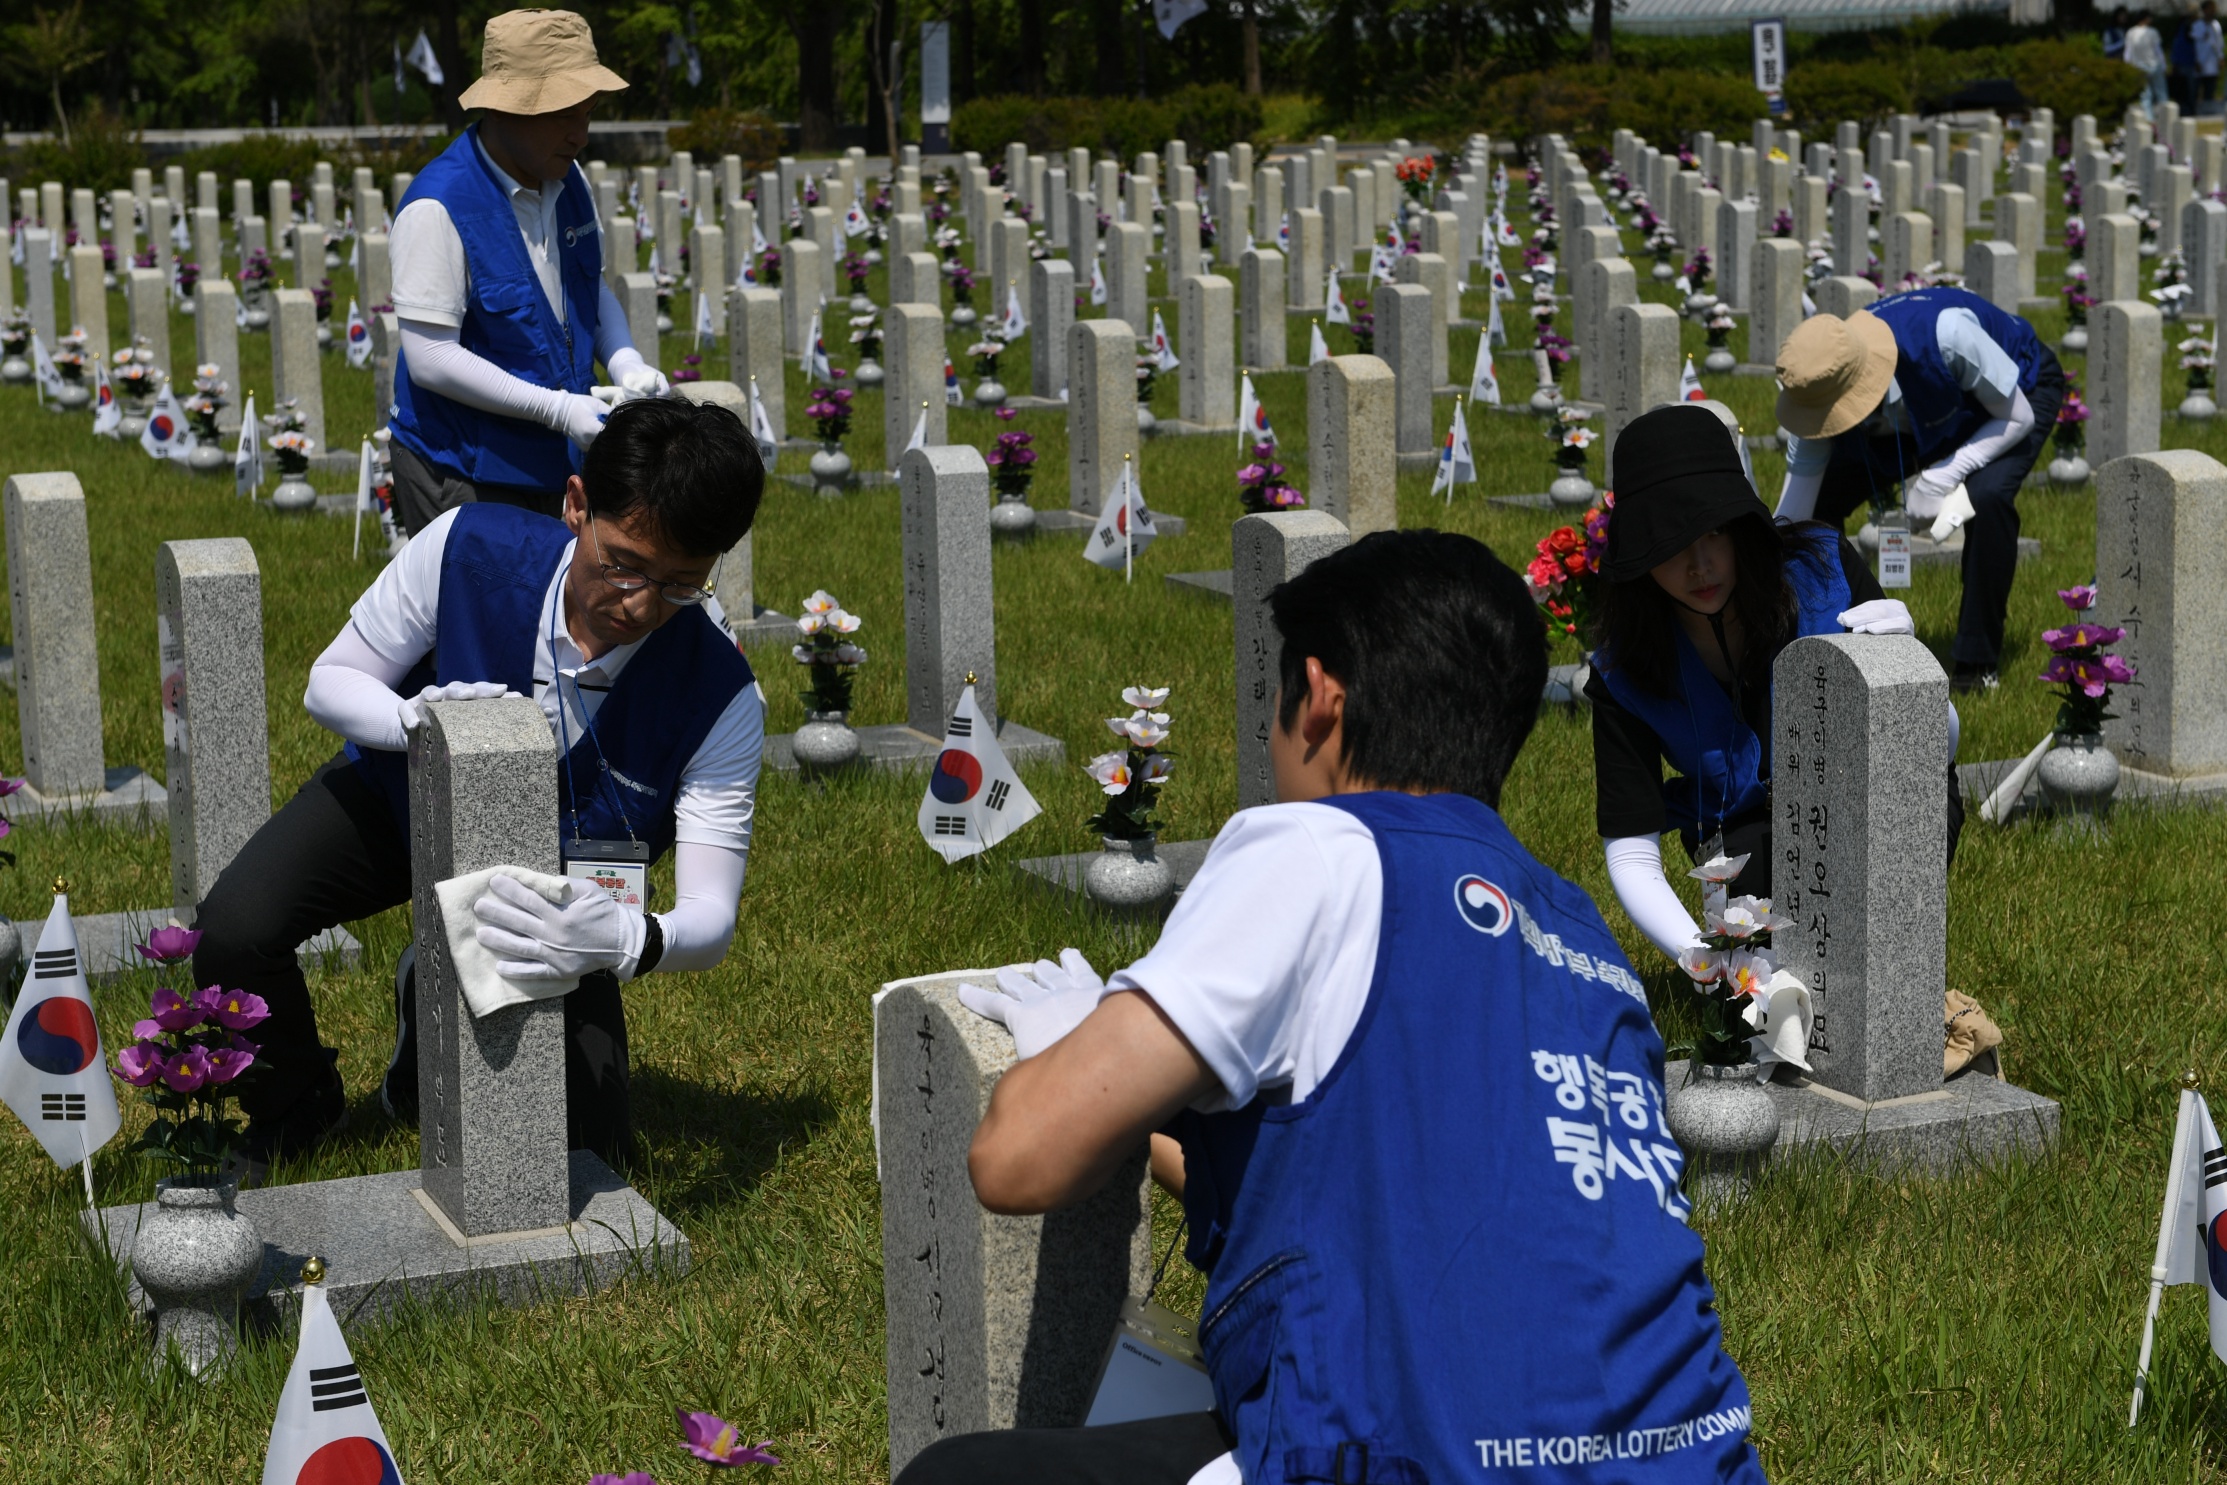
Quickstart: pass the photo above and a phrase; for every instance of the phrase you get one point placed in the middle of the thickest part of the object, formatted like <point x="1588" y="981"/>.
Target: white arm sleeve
<point x="614" y="337"/>
<point x="707" y="886"/>
<point x="2013" y="420"/>
<point x="440" y="364"/>
<point x="1635" y="868"/>
<point x="1798" y="497"/>
<point x="351" y="691"/>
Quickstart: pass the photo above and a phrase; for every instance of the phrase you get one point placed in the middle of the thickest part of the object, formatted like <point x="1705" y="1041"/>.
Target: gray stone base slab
<point x="1417" y="463"/>
<point x="1973" y="1120"/>
<point x="1177" y="428"/>
<point x="901" y="749"/>
<point x="1036" y="404"/>
<point x="1561" y="688"/>
<point x="1979" y="780"/>
<point x="129" y="797"/>
<point x="107" y="943"/>
<point x="1202" y="584"/>
<point x="1539" y="500"/>
<point x="1065" y="873"/>
<point x="860" y="479"/>
<point x="1926" y="552"/>
<point x="384" y="1247"/>
<point x="1075" y="523"/>
<point x="764" y="627"/>
<point x="1745" y="369"/>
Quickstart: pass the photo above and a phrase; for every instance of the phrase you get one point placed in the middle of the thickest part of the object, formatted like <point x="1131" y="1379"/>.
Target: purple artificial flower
<point x="9" y="786"/>
<point x="2079" y="599"/>
<point x="1007" y="414"/>
<point x="140" y="1064"/>
<point x="170" y="945"/>
<point x="225" y="1064"/>
<point x="234" y="1010"/>
<point x="2081" y="636"/>
<point x="633" y="1477"/>
<point x="187" y="1071"/>
<point x="2117" y="671"/>
<point x="1252" y="474"/>
<point x="146" y="1031"/>
<point x="714" y="1440"/>
<point x="175" y="1012"/>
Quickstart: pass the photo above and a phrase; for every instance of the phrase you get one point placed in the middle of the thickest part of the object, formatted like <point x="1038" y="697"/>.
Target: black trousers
<point x="332" y="855"/>
<point x="1864" y="467"/>
<point x="422" y="490"/>
<point x="1151" y="1451"/>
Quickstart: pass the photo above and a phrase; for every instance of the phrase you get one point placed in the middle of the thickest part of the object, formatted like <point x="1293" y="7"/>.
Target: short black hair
<point x="691" y="468"/>
<point x="1441" y="652"/>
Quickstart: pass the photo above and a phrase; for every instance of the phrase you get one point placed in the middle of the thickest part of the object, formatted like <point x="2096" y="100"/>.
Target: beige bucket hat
<point x="538" y="61"/>
<point x="1833" y="372"/>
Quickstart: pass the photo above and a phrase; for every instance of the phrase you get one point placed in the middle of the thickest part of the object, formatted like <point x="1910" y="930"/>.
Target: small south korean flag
<point x="51" y="1070"/>
<point x="247" y="456"/>
<point x="1484" y="382"/>
<point x="854" y="221"/>
<point x="761" y="428"/>
<point x="816" y="362"/>
<point x="1097" y="280"/>
<point x="974" y="798"/>
<point x="108" y="414"/>
<point x="1318" y="349"/>
<point x="1016" y="323"/>
<point x="1689" y="385"/>
<point x="2192" y="1230"/>
<point x="952" y="396"/>
<point x="359" y="338"/>
<point x="1496" y="329"/>
<point x="1252" y="419"/>
<point x="1124" y="529"/>
<point x="1456" y="464"/>
<point x="1502" y="290"/>
<point x="168" y="435"/>
<point x="325" y="1432"/>
<point x="1163" y="349"/>
<point x="1333" y="302"/>
<point x="707" y="329"/>
<point x="919" y="439"/>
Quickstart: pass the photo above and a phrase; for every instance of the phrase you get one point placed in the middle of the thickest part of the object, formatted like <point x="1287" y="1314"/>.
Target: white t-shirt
<point x="1266" y="962"/>
<point x="430" y="276"/>
<point x="398" y="616"/>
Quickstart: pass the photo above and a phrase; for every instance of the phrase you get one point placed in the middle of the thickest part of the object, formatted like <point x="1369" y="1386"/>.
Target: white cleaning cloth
<point x="1956" y="509"/>
<point x="487" y="990"/>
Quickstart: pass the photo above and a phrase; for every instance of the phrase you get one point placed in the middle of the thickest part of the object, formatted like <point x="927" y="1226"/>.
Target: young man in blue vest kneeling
<point x="1416" y="1091"/>
<point x="607" y="620"/>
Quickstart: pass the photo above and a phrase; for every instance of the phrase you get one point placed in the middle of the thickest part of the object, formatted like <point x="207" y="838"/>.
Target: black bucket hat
<point x="1677" y="476"/>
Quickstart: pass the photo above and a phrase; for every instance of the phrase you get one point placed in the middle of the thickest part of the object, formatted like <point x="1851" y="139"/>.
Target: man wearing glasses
<point x="607" y="620"/>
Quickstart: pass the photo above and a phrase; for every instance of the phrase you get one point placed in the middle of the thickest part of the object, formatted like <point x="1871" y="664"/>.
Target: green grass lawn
<point x="1981" y="1327"/>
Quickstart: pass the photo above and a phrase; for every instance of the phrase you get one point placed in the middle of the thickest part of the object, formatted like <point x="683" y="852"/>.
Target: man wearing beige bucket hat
<point x="498" y="282"/>
<point x="1940" y="392"/>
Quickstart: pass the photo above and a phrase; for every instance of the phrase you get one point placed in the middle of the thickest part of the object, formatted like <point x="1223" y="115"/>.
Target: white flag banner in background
<point x="1333" y="302"/>
<point x="168" y="435"/>
<point x="2191" y="1232"/>
<point x="1484" y="382"/>
<point x="761" y="428"/>
<point x="1162" y="347"/>
<point x="421" y="57"/>
<point x="247" y="458"/>
<point x="974" y="797"/>
<point x="1457" y="465"/>
<point x="51" y="1069"/>
<point x="325" y="1429"/>
<point x="1171" y="14"/>
<point x="1124" y="529"/>
<point x="1252" y="419"/>
<point x="1016" y="323"/>
<point x="1097" y="281"/>
<point x="1318" y="349"/>
<point x="1689" y="385"/>
<point x="359" y="338"/>
<point x="816" y="364"/>
<point x="108" y="414"/>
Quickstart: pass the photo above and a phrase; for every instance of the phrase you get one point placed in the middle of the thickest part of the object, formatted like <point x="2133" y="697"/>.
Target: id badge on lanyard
<point x="1894" y="550"/>
<point x="619" y="867"/>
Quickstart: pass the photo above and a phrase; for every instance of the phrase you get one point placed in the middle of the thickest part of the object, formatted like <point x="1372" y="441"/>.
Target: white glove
<point x="413" y="709"/>
<point x="634" y="377"/>
<point x="542" y="941"/>
<point x="1955" y="511"/>
<point x="1925" y="494"/>
<point x="1041" y="1002"/>
<point x="1879" y="616"/>
<point x="578" y="416"/>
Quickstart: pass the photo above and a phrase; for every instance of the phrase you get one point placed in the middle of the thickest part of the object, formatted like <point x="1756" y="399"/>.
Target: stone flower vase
<point x="860" y="303"/>
<point x="2069" y="469"/>
<point x="134" y="421"/>
<point x="2078" y="777"/>
<point x="1662" y="272"/>
<point x="1570" y="488"/>
<point x="74" y="395"/>
<point x="1012" y="515"/>
<point x="1719" y="360"/>
<point x="195" y="1257"/>
<point x="869" y="373"/>
<point x="257" y="312"/>
<point x="963" y="314"/>
<point x="1699" y="303"/>
<point x="11" y="949"/>
<point x="1726" y="1124"/>
<point x="825" y="741"/>
<point x="1146" y="422"/>
<point x="989" y="392"/>
<point x="15" y="370"/>
<point x="2198" y="406"/>
<point x="1128" y="875"/>
<point x="207" y="455"/>
<point x="2074" y="339"/>
<point x="294" y="492"/>
<point x="1546" y="399"/>
<point x="831" y="469"/>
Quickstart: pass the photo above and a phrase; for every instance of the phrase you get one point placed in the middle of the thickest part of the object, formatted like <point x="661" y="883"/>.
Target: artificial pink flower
<point x="170" y="945"/>
<point x="714" y="1440"/>
<point x="140" y="1064"/>
<point x="176" y="1012"/>
<point x="187" y="1071"/>
<point x="234" y="1010"/>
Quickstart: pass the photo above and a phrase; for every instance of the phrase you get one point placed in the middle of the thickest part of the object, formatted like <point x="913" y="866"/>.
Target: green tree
<point x="50" y="48"/>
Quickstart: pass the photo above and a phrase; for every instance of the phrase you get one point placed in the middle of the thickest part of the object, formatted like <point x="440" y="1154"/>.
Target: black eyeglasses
<point x="627" y="580"/>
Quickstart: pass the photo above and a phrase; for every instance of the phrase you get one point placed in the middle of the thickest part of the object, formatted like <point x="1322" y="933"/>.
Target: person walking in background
<point x="2114" y="36"/>
<point x="2145" y="53"/>
<point x="2204" y="33"/>
<point x="2182" y="54"/>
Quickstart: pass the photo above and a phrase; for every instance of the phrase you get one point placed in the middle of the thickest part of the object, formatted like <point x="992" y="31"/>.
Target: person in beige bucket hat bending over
<point x="1941" y="392"/>
<point x="498" y="282"/>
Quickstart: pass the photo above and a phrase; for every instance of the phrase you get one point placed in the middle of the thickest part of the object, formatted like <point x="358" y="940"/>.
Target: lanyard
<point x="564" y="741"/>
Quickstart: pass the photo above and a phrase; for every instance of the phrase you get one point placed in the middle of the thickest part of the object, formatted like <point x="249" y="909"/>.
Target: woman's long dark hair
<point x="1636" y="620"/>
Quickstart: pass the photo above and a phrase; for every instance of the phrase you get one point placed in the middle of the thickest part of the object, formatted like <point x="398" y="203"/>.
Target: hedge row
<point x="1205" y="118"/>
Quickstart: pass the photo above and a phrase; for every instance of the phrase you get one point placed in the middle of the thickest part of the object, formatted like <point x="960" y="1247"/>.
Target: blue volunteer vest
<point x="495" y="572"/>
<point x="1717" y="757"/>
<point x="508" y="321"/>
<point x="1463" y="1256"/>
<point x="1943" y="416"/>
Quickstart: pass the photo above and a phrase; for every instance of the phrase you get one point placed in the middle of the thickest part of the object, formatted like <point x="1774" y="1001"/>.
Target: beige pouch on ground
<point x="1969" y="1034"/>
<point x="487" y="989"/>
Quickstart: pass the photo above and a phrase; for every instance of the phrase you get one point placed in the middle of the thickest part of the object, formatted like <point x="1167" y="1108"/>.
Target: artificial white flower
<point x="1111" y="770"/>
<point x="821" y="602"/>
<point x="1718" y="868"/>
<point x="850" y="655"/>
<point x="844" y="622"/>
<point x="1783" y="1031"/>
<point x="1702" y="964"/>
<point x="1157" y="768"/>
<point x="1148" y="698"/>
<point x="1144" y="731"/>
<point x="1748" y="971"/>
<point x="810" y="624"/>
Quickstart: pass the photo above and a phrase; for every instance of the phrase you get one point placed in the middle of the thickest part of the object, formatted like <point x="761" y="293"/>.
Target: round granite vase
<point x="1719" y="361"/>
<point x="207" y="456"/>
<point x="195" y="1257"/>
<point x="1128" y="875"/>
<point x="2198" y="406"/>
<point x="1571" y="489"/>
<point x="2078" y="777"/>
<point x="869" y="373"/>
<point x="2074" y="339"/>
<point x="831" y="469"/>
<point x="989" y="392"/>
<point x="825" y="741"/>
<point x="15" y="370"/>
<point x="1012" y="515"/>
<point x="2069" y="469"/>
<point x="294" y="493"/>
<point x="1146" y="422"/>
<point x="1726" y="1123"/>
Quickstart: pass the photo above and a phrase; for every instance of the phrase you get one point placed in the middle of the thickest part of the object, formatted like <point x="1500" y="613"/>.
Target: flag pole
<point x="2183" y="1123"/>
<point x="1128" y="522"/>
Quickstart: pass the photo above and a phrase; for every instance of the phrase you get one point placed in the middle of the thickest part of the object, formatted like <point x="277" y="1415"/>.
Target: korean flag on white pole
<point x="51" y="1069"/>
<point x="1097" y="280"/>
<point x="816" y="358"/>
<point x="168" y="435"/>
<point x="974" y="797"/>
<point x="761" y="428"/>
<point x="421" y="57"/>
<point x="325" y="1428"/>
<point x="1171" y="14"/>
<point x="2191" y="1232"/>
<point x="1689" y="385"/>
<point x="952" y="396"/>
<point x="1333" y="302"/>
<point x="1124" y="529"/>
<point x="1163" y="349"/>
<point x="1502" y="290"/>
<point x="919" y="439"/>
<point x="247" y="458"/>
<point x="1484" y="382"/>
<point x="108" y="413"/>
<point x="45" y="373"/>
<point x="1457" y="465"/>
<point x="1016" y="323"/>
<point x="707" y="329"/>
<point x="1496" y="329"/>
<point x="1318" y="349"/>
<point x="1252" y="419"/>
<point x="359" y="338"/>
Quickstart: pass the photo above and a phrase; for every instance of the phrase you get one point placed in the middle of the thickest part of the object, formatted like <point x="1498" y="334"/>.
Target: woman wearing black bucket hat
<point x="1700" y="590"/>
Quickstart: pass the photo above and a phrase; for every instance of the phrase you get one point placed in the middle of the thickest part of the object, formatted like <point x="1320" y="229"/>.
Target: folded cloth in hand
<point x="487" y="989"/>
